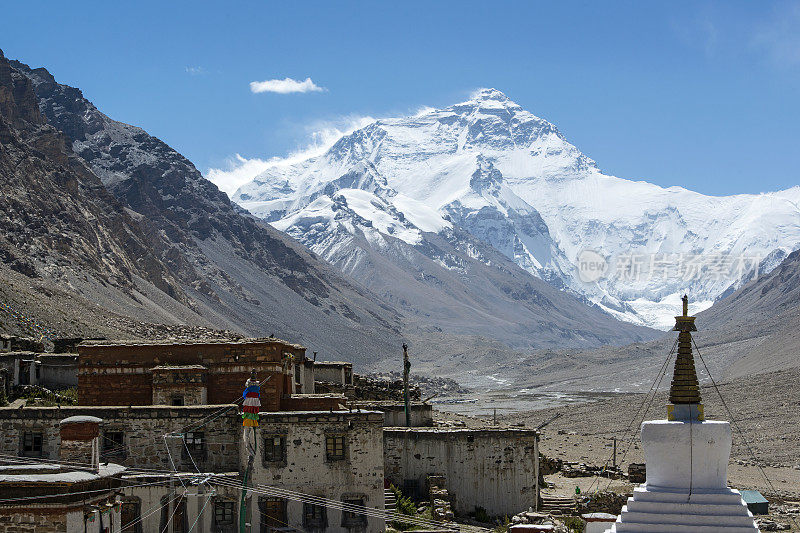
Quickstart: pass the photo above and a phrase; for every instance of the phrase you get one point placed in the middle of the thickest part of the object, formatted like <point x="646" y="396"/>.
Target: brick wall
<point x="121" y="374"/>
<point x="131" y="387"/>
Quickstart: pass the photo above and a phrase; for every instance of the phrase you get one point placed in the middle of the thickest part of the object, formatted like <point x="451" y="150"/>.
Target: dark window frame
<point x="315" y="517"/>
<point x="31" y="443"/>
<point x="270" y="457"/>
<point x="353" y="520"/>
<point x="136" y="503"/>
<point x="194" y="446"/>
<point x="335" y="447"/>
<point x="224" y="517"/>
<point x="276" y="503"/>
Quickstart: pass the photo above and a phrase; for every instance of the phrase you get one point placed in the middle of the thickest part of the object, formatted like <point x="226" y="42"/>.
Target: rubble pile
<point x="584" y="470"/>
<point x="530" y="517"/>
<point x="602" y="502"/>
<point x="765" y="524"/>
<point x="637" y="473"/>
<point x="429" y="385"/>
<point x="441" y="508"/>
<point x="381" y="387"/>
<point x="549" y="465"/>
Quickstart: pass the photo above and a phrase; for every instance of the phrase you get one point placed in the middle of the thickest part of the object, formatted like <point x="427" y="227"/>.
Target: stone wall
<point x="180" y="385"/>
<point x="394" y="413"/>
<point x="19" y="520"/>
<point x="305" y="466"/>
<point x="58" y="371"/>
<point x="143" y="430"/>
<point x="493" y="469"/>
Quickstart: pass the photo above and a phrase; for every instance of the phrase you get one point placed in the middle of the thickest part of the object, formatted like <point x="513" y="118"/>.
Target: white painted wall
<point x="493" y="469"/>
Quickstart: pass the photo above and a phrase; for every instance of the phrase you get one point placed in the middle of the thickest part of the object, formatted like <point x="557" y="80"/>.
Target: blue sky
<point x="698" y="94"/>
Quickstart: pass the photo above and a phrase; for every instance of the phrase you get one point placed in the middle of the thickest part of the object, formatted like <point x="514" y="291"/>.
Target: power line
<point x="738" y="429"/>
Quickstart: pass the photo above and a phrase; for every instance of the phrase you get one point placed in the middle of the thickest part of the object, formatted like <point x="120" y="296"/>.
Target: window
<point x="314" y="517"/>
<point x="131" y="514"/>
<point x="32" y="443"/>
<point x="194" y="446"/>
<point x="298" y="378"/>
<point x="353" y="519"/>
<point x="273" y="514"/>
<point x="177" y="400"/>
<point x="113" y="445"/>
<point x="334" y="447"/>
<point x="173" y="512"/>
<point x="224" y="517"/>
<point x="274" y="448"/>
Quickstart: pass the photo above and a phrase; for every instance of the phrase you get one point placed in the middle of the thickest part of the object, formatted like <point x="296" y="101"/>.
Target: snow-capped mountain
<point x="489" y="169"/>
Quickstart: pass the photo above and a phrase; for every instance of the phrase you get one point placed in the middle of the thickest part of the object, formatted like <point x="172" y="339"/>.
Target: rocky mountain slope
<point x="511" y="180"/>
<point x="204" y="261"/>
<point x="59" y="223"/>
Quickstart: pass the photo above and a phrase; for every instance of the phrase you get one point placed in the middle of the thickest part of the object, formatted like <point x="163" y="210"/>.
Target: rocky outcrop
<point x="56" y="218"/>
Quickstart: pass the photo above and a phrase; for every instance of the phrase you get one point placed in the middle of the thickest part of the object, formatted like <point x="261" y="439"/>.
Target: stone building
<point x="53" y="371"/>
<point x="194" y="373"/>
<point x="339" y="372"/>
<point x="77" y="496"/>
<point x="394" y="413"/>
<point x="334" y="455"/>
<point x="190" y="462"/>
<point x="496" y="469"/>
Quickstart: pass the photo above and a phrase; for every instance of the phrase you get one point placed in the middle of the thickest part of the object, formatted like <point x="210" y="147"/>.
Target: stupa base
<point x="661" y="510"/>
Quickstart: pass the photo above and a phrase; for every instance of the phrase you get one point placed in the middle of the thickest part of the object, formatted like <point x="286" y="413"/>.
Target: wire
<point x="61" y="495"/>
<point x="739" y="430"/>
<point x="628" y="430"/>
<point x="326" y="502"/>
<point x="208" y="499"/>
<point x="157" y="507"/>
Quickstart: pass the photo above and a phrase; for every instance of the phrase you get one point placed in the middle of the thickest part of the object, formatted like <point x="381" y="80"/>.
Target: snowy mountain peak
<point x="512" y="180"/>
<point x="492" y="95"/>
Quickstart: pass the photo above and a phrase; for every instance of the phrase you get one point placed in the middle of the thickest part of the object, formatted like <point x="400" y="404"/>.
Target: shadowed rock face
<point x="232" y="270"/>
<point x="56" y="218"/>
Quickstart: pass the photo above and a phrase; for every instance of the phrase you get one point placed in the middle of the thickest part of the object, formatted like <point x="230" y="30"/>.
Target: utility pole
<point x="615" y="453"/>
<point x="406" y="370"/>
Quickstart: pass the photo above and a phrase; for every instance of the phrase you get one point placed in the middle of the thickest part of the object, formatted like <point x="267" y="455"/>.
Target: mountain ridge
<point x="432" y="156"/>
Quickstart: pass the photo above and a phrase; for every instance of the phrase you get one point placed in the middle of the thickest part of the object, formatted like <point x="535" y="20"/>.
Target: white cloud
<point x="320" y="136"/>
<point x="285" y="86"/>
<point x="238" y="171"/>
<point x="195" y="71"/>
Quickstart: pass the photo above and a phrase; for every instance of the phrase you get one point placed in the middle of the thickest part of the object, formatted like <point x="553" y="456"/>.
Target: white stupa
<point x="687" y="462"/>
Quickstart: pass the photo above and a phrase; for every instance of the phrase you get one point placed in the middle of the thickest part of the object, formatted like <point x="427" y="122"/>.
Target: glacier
<point x="512" y="180"/>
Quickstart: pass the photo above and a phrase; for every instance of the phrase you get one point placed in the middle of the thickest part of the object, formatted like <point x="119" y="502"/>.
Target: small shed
<point x="756" y="502"/>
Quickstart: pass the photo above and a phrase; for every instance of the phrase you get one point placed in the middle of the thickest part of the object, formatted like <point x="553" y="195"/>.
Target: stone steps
<point x="390" y="501"/>
<point x="556" y="503"/>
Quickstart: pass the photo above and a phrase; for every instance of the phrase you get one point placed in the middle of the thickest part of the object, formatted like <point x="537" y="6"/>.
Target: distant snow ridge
<point x="513" y="181"/>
